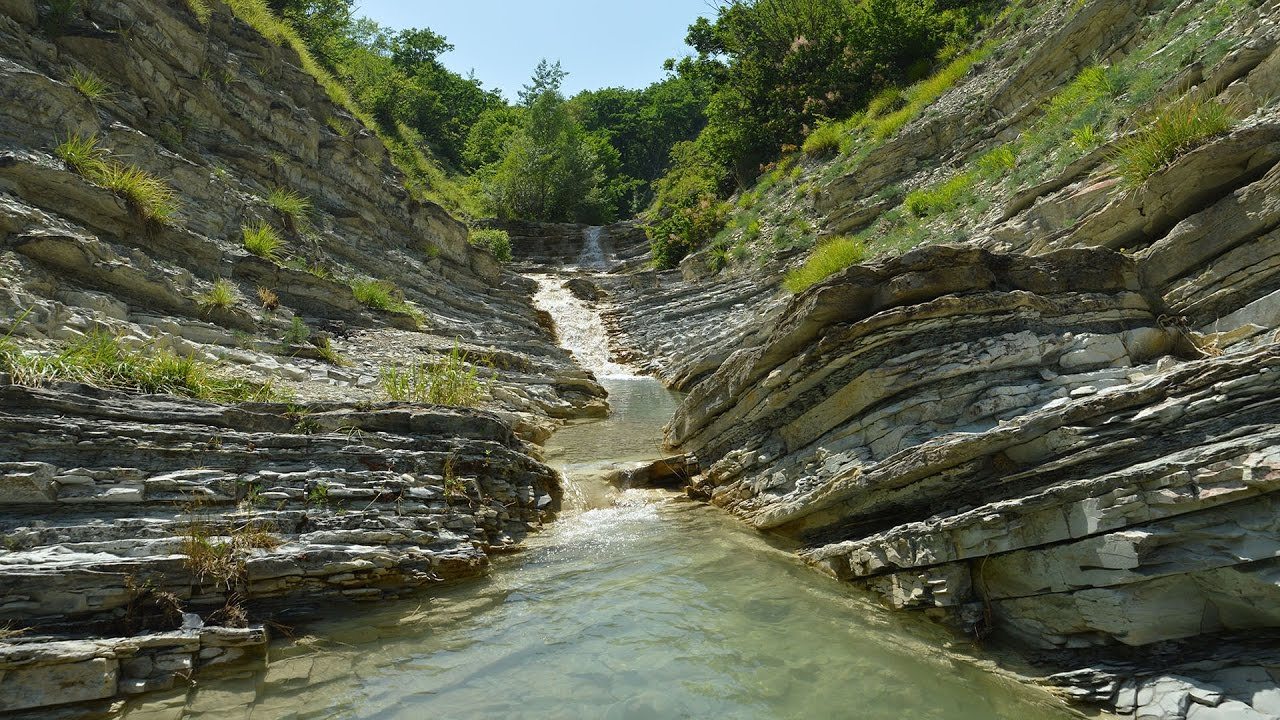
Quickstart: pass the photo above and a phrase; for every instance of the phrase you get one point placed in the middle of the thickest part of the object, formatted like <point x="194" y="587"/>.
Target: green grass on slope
<point x="101" y="360"/>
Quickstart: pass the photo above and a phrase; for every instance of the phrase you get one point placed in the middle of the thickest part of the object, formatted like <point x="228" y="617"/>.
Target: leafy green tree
<point x="547" y="77"/>
<point x="549" y="170"/>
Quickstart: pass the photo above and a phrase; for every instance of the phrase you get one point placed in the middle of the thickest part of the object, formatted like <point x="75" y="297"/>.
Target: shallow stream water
<point x="634" y="604"/>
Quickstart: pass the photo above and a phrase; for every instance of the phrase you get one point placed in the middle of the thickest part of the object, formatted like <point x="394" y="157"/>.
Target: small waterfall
<point x="592" y="256"/>
<point x="580" y="327"/>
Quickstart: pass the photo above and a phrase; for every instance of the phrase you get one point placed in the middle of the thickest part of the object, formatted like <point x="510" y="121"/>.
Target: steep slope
<point x="1044" y="408"/>
<point x="123" y="511"/>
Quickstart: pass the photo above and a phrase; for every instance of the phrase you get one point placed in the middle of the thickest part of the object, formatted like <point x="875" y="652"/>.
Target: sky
<point x="602" y="43"/>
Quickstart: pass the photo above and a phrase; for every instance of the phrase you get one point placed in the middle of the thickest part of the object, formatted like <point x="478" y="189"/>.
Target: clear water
<point x="635" y="604"/>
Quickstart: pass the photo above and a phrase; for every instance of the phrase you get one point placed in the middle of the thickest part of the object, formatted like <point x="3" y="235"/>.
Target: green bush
<point x="99" y="359"/>
<point x="447" y="381"/>
<point x="1175" y="130"/>
<point x="497" y="242"/>
<point x="263" y="240"/>
<point x="827" y="258"/>
<point x="941" y="198"/>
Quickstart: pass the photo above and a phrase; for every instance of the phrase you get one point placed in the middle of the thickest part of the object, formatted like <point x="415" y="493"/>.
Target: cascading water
<point x="635" y="604"/>
<point x="592" y="256"/>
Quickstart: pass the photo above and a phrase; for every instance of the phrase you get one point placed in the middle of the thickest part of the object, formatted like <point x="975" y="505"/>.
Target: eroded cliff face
<point x="122" y="511"/>
<point x="1062" y="432"/>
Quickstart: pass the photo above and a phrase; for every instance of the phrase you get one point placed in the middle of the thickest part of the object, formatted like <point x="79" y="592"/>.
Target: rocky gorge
<point x="1048" y="422"/>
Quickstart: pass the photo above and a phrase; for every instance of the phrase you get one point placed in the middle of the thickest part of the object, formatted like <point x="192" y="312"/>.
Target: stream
<point x="634" y="604"/>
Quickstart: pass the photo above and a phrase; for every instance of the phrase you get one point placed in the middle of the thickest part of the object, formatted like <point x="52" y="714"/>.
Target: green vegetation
<point x="88" y="84"/>
<point x="376" y="294"/>
<point x="941" y="198"/>
<point x="922" y="94"/>
<point x="497" y="242"/>
<point x="827" y="258"/>
<point x="146" y="194"/>
<point x="222" y="296"/>
<point x="993" y="164"/>
<point x="447" y="381"/>
<point x="298" y="332"/>
<point x="82" y="154"/>
<point x="291" y="205"/>
<point x="201" y="9"/>
<point x="102" y="360"/>
<point x="263" y="240"/>
<point x="832" y="136"/>
<point x="1175" y="130"/>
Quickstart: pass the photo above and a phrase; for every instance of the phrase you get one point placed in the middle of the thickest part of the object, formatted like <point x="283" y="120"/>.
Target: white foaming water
<point x="592" y="255"/>
<point x="580" y="328"/>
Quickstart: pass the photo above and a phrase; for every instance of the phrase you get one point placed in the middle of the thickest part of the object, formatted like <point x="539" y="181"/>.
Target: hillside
<point x="1028" y="384"/>
<point x="141" y="147"/>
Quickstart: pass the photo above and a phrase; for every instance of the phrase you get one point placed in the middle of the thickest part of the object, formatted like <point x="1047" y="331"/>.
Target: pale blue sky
<point x="606" y="43"/>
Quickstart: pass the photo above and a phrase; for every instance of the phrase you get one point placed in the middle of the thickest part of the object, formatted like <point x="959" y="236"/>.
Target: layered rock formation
<point x="1033" y="437"/>
<point x="142" y="534"/>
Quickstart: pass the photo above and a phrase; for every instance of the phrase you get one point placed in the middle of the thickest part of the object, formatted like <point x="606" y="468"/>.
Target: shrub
<point x="940" y="198"/>
<point x="101" y="360"/>
<point x="497" y="242"/>
<point x="221" y="296"/>
<point x="293" y="206"/>
<point x="298" y="332"/>
<point x="1176" y="130"/>
<point x="263" y="240"/>
<point x="90" y="85"/>
<point x="447" y="381"/>
<point x="826" y="259"/>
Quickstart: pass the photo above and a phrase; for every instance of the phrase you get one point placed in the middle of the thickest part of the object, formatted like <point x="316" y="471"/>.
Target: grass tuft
<point x="831" y="137"/>
<point x="447" y="381"/>
<point x="147" y="194"/>
<point x="82" y="154"/>
<point x="293" y="206"/>
<point x="941" y="198"/>
<point x="88" y="84"/>
<point x="996" y="162"/>
<point x="268" y="298"/>
<point x="222" y="296"/>
<point x="263" y="240"/>
<point x="826" y="259"/>
<point x="1174" y="131"/>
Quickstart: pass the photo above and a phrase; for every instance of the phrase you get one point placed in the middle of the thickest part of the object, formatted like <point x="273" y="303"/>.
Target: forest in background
<point x="760" y="77"/>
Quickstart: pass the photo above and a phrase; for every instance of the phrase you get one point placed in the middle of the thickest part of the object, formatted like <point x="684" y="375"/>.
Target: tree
<point x="549" y="170"/>
<point x="547" y="77"/>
